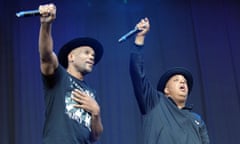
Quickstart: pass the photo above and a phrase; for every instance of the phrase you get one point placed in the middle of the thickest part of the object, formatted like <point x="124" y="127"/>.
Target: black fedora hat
<point x="77" y="42"/>
<point x="171" y="72"/>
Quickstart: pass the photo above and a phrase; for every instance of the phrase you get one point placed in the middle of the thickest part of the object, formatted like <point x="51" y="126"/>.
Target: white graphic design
<point x="77" y="114"/>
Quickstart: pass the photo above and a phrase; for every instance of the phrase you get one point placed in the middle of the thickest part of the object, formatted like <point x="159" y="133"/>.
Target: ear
<point x="70" y="57"/>
<point x="166" y="91"/>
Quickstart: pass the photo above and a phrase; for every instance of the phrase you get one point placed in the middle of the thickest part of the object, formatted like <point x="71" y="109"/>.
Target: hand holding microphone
<point x="140" y="29"/>
<point x="144" y="26"/>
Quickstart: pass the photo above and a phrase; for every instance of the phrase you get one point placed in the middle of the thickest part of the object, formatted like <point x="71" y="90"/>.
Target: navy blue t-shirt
<point x="65" y="124"/>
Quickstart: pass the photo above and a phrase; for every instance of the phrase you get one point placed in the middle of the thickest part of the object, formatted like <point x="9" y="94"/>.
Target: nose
<point x="183" y="81"/>
<point x="92" y="57"/>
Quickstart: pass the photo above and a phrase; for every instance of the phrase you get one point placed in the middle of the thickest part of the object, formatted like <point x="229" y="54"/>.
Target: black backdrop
<point x="202" y="35"/>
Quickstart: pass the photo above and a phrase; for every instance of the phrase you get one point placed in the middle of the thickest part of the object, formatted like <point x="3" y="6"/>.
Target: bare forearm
<point x="96" y="126"/>
<point x="139" y="40"/>
<point x="45" y="42"/>
<point x="48" y="58"/>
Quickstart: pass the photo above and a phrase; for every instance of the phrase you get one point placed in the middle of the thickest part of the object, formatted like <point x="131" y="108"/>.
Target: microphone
<point x="28" y="13"/>
<point x="129" y="34"/>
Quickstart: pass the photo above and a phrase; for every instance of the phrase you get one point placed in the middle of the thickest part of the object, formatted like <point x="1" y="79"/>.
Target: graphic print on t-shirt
<point x="77" y="114"/>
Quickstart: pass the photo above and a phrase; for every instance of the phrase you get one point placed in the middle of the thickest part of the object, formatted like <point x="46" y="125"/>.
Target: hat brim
<point x="174" y="71"/>
<point x="77" y="42"/>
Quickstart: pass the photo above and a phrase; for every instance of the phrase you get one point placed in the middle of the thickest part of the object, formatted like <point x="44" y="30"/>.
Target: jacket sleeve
<point x="147" y="96"/>
<point x="204" y="134"/>
<point x="203" y="129"/>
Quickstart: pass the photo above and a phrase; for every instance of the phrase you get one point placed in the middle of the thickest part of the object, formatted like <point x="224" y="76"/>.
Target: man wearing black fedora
<point x="72" y="111"/>
<point x="167" y="119"/>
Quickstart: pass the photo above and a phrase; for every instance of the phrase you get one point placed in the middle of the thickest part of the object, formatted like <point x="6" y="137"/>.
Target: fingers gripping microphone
<point x="129" y="34"/>
<point x="28" y="13"/>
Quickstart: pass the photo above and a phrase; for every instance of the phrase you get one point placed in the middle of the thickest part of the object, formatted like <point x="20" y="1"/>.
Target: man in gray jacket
<point x="167" y="118"/>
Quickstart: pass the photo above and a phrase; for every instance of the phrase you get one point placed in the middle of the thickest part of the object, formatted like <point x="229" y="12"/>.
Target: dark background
<point x="201" y="35"/>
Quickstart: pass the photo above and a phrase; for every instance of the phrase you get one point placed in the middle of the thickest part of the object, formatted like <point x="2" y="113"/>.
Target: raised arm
<point x="146" y="95"/>
<point x="48" y="58"/>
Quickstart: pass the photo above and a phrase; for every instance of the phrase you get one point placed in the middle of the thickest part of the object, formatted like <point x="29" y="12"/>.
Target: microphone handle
<point x="130" y="33"/>
<point x="28" y="13"/>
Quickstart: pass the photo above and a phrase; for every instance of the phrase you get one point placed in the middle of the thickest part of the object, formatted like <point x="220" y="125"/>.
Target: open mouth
<point x="182" y="88"/>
